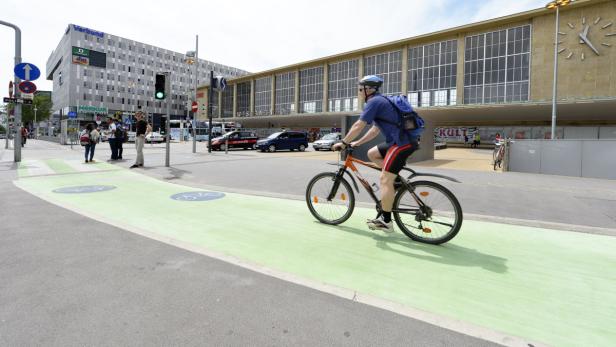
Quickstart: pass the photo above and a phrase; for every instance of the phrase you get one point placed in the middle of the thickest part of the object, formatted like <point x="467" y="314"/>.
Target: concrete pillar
<point x="325" y="87"/>
<point x="252" y="98"/>
<point x="273" y="101"/>
<point x="360" y="66"/>
<point x="219" y="104"/>
<point x="234" y="100"/>
<point x="426" y="146"/>
<point x="296" y="96"/>
<point x="405" y="70"/>
<point x="460" y="72"/>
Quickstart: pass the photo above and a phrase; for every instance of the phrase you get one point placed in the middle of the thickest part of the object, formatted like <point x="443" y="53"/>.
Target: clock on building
<point x="586" y="37"/>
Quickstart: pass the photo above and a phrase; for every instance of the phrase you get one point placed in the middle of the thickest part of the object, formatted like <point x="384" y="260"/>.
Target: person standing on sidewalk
<point x="120" y="135"/>
<point x="112" y="139"/>
<point x="24" y="135"/>
<point x="142" y="130"/>
<point x="93" y="136"/>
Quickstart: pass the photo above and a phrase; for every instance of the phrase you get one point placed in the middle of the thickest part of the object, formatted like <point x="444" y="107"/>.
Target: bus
<point x="218" y="129"/>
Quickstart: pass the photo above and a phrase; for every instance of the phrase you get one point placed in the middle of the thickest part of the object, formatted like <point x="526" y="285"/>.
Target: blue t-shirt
<point x="378" y="109"/>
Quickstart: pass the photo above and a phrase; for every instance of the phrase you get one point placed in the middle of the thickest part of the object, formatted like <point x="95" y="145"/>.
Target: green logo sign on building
<point x="81" y="51"/>
<point x="91" y="109"/>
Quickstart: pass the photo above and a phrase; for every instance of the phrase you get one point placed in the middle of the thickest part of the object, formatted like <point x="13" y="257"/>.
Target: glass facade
<point x="432" y="74"/>
<point x="285" y="93"/>
<point x="311" y="90"/>
<point x="243" y="99"/>
<point x="263" y="96"/>
<point x="227" y="102"/>
<point x="497" y="66"/>
<point x="342" y="91"/>
<point x="388" y="66"/>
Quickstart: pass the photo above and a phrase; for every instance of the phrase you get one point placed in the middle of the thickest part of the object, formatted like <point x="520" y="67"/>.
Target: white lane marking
<point x="36" y="167"/>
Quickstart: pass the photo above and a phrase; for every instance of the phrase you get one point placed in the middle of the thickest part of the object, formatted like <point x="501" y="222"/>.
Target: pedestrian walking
<point x="89" y="138"/>
<point x="142" y="130"/>
<point x="112" y="139"/>
<point x="477" y="140"/>
<point x="24" y="135"/>
<point x="120" y="136"/>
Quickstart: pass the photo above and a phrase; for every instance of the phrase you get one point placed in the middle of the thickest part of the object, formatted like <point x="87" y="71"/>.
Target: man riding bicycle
<point x="390" y="155"/>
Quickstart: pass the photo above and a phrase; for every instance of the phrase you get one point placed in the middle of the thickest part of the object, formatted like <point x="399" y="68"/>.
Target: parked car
<point x="327" y="142"/>
<point x="236" y="139"/>
<point x="154" y="137"/>
<point x="290" y="140"/>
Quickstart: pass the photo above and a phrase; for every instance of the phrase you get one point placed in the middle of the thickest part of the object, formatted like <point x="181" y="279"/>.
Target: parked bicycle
<point x="424" y="210"/>
<point x="498" y="155"/>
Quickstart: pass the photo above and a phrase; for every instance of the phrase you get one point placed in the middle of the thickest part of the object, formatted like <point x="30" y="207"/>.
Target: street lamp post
<point x="17" y="109"/>
<point x="192" y="57"/>
<point x="555" y="4"/>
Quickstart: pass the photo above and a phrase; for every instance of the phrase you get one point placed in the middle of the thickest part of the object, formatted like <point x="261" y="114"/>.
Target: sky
<point x="250" y="35"/>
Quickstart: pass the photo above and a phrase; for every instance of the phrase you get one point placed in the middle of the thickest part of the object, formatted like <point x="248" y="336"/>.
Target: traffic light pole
<point x="167" y="128"/>
<point x="17" y="123"/>
<point x="210" y="95"/>
<point x="194" y="120"/>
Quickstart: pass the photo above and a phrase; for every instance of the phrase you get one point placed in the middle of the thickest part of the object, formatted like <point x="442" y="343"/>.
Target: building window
<point x="227" y="102"/>
<point x="285" y="93"/>
<point x="243" y="99"/>
<point x="342" y="91"/>
<point x="388" y="66"/>
<point x="432" y="73"/>
<point x="311" y="90"/>
<point x="497" y="66"/>
<point x="263" y="96"/>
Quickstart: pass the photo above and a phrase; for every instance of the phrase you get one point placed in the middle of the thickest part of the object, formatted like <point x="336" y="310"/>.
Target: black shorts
<point x="394" y="156"/>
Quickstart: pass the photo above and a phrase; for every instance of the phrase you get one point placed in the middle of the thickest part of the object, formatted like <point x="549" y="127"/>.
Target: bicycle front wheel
<point x="428" y="214"/>
<point x="333" y="211"/>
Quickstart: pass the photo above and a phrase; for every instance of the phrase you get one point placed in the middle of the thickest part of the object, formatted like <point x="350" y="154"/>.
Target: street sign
<point x="17" y="101"/>
<point x="72" y="114"/>
<point x="27" y="96"/>
<point x="195" y="106"/>
<point x="27" y="87"/>
<point x="26" y="71"/>
<point x="220" y="83"/>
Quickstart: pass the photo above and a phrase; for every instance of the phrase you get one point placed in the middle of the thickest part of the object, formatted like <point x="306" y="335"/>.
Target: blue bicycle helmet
<point x="371" y="81"/>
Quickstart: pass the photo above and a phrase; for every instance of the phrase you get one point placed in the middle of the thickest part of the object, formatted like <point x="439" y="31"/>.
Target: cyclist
<point x="390" y="155"/>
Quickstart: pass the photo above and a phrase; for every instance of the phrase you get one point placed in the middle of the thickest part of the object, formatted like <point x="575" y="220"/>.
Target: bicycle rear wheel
<point x="334" y="211"/>
<point x="437" y="219"/>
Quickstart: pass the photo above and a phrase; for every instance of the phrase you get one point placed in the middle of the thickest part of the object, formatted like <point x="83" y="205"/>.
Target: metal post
<point x="210" y="95"/>
<point x="17" y="123"/>
<point x="555" y="76"/>
<point x="194" y="120"/>
<point x="167" y="127"/>
<point x="35" y="128"/>
<point x="6" y="132"/>
<point x="227" y="145"/>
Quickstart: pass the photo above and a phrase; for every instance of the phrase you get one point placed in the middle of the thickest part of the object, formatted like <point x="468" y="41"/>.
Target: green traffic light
<point x="160" y="95"/>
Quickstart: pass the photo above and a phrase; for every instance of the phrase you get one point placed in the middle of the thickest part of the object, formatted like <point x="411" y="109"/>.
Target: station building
<point x="491" y="76"/>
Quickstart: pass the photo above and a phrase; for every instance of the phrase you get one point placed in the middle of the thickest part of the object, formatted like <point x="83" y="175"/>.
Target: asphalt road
<point x="68" y="280"/>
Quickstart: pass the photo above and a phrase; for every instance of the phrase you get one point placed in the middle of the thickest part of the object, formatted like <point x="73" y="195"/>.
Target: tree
<point x="43" y="109"/>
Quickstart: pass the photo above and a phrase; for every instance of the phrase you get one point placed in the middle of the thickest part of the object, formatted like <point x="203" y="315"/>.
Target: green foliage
<point x="43" y="109"/>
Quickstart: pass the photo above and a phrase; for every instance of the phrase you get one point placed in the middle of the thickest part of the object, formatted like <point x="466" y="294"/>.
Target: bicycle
<point x="498" y="155"/>
<point x="425" y="211"/>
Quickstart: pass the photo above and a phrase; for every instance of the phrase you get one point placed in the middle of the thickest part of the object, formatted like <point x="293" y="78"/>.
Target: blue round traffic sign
<point x="27" y="87"/>
<point x="27" y="71"/>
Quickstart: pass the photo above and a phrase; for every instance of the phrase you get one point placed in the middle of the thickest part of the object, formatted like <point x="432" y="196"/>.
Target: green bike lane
<point x="544" y="285"/>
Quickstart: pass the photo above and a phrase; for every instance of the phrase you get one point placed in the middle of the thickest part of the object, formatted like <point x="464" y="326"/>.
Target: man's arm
<point x="351" y="135"/>
<point x="370" y="134"/>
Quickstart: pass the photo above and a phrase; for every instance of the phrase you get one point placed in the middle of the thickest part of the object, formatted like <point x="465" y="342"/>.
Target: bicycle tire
<point x="312" y="198"/>
<point x="416" y="233"/>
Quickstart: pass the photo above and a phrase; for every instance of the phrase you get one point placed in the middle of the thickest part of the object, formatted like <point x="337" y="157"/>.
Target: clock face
<point x="586" y="37"/>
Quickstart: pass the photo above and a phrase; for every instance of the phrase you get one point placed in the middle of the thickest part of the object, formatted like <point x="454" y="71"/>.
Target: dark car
<point x="290" y="140"/>
<point x="236" y="139"/>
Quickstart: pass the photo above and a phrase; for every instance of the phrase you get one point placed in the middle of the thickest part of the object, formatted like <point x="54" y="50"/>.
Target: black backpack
<point x="120" y="133"/>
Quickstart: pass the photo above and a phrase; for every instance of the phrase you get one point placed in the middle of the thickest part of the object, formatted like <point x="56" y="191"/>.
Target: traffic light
<point x="159" y="87"/>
